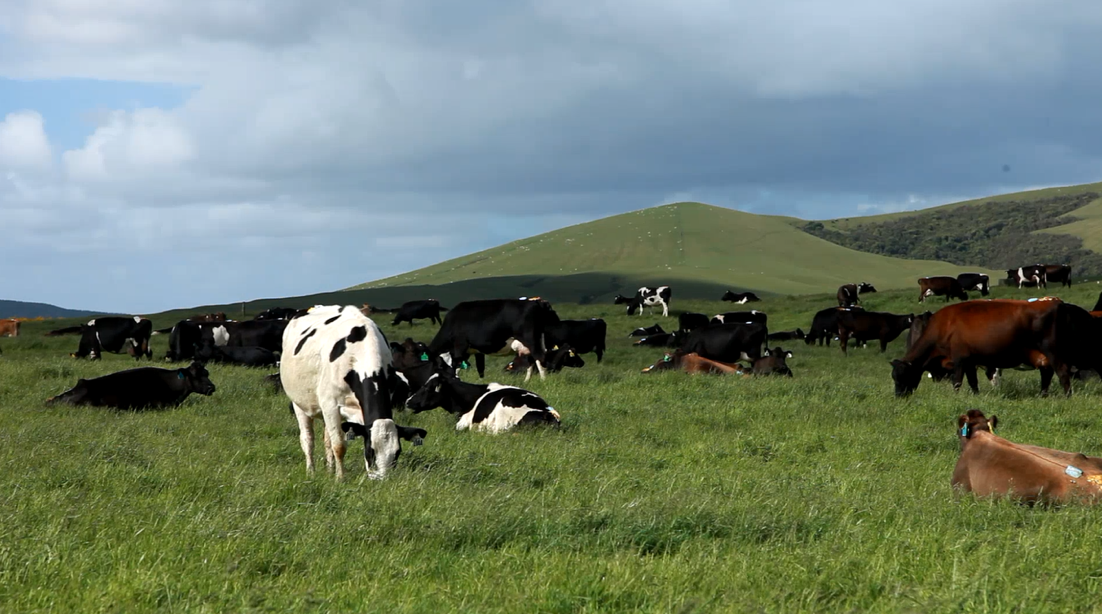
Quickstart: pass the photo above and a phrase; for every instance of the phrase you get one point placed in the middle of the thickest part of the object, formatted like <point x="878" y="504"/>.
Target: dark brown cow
<point x="9" y="328"/>
<point x="992" y="466"/>
<point x="772" y="362"/>
<point x="941" y="285"/>
<point x="998" y="333"/>
<point x="850" y="294"/>
<point x="691" y="362"/>
<point x="1060" y="273"/>
<point x="867" y="325"/>
<point x="934" y="370"/>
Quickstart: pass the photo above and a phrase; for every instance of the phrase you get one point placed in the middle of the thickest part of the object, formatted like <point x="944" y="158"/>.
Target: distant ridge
<point x="20" y="309"/>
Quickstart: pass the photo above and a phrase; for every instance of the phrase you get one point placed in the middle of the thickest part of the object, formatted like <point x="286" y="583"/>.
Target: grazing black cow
<point x="867" y="325"/>
<point x="558" y="357"/>
<point x="1060" y="273"/>
<point x="739" y="297"/>
<point x="660" y="340"/>
<point x="277" y="313"/>
<point x="186" y="336"/>
<point x="657" y="330"/>
<point x="824" y="326"/>
<point x="940" y="285"/>
<point x="419" y="310"/>
<point x="850" y="294"/>
<point x="247" y="356"/>
<point x="727" y="342"/>
<point x="487" y="326"/>
<point x="584" y="336"/>
<point x="734" y="317"/>
<point x="790" y="335"/>
<point x="483" y="407"/>
<point x="975" y="282"/>
<point x="689" y="321"/>
<point x="1028" y="276"/>
<point x="141" y="388"/>
<point x="647" y="297"/>
<point x="115" y="334"/>
<point x="772" y="362"/>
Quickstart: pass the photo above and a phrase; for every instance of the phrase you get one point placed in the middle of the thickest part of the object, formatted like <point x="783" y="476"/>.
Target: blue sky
<point x="161" y="154"/>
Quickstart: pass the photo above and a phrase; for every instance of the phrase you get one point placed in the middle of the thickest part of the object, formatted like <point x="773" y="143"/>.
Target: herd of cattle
<point x="336" y="365"/>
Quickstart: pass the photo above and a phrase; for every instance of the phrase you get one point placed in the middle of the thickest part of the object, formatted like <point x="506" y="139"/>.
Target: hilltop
<point x="20" y="309"/>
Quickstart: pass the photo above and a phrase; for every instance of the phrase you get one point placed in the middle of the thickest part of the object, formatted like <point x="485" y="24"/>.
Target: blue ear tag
<point x="180" y="374"/>
<point x="463" y="365"/>
<point x="1073" y="471"/>
<point x="424" y="357"/>
<point x="666" y="358"/>
<point x="964" y="431"/>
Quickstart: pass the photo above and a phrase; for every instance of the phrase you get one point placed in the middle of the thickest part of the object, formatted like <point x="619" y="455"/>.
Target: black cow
<point x="790" y="335"/>
<point x="115" y="334"/>
<point x="824" y="326"/>
<point x="689" y="321"/>
<point x="186" y="336"/>
<point x="772" y="362"/>
<point x="277" y="313"/>
<point x="975" y="282"/>
<point x="850" y="294"/>
<point x="727" y="342"/>
<point x="418" y="310"/>
<point x="739" y="297"/>
<point x="557" y="358"/>
<point x="867" y="325"/>
<point x="647" y="297"/>
<point x="657" y="330"/>
<point x="1028" y="276"/>
<point x="144" y="387"/>
<point x="247" y="356"/>
<point x="584" y="336"/>
<point x="1060" y="273"/>
<point x="734" y="317"/>
<point x="487" y="326"/>
<point x="660" y="340"/>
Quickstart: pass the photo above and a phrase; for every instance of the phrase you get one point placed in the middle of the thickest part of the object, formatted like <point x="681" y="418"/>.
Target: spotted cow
<point x="647" y="296"/>
<point x="492" y="408"/>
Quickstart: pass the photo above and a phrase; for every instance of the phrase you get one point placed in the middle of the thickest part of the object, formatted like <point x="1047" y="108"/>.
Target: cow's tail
<point x="442" y="308"/>
<point x="163" y="331"/>
<point x="72" y="330"/>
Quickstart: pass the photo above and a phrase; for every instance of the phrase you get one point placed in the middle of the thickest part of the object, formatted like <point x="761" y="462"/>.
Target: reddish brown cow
<point x="990" y="465"/>
<point x="693" y="363"/>
<point x="998" y="333"/>
<point x="9" y="328"/>
<point x="942" y="285"/>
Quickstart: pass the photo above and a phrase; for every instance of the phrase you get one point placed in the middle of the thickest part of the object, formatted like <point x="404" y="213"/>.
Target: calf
<point x="689" y="321"/>
<point x="1027" y="276"/>
<point x="249" y="356"/>
<point x="941" y="285"/>
<point x="657" y="330"/>
<point x="141" y="388"/>
<point x="115" y="334"/>
<point x="727" y="342"/>
<point x="419" y="310"/>
<point x="647" y="297"/>
<point x="867" y="325"/>
<point x="772" y="362"/>
<point x="584" y="336"/>
<point x="557" y="358"/>
<point x="489" y="326"/>
<point x="850" y="294"/>
<point x="733" y="317"/>
<point x="976" y="282"/>
<point x="790" y="335"/>
<point x="492" y="408"/>
<point x="739" y="297"/>
<point x="9" y="328"/>
<point x="989" y="465"/>
<point x="336" y="365"/>
<point x="691" y="362"/>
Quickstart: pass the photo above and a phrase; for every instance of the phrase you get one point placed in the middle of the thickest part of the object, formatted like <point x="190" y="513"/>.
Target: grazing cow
<point x="789" y="335"/>
<point x="115" y="334"/>
<point x="934" y="370"/>
<point x="989" y="465"/>
<point x="659" y="340"/>
<point x="740" y="297"/>
<point x="141" y="388"/>
<point x="277" y="313"/>
<point x="1028" y="276"/>
<point x="558" y="357"/>
<point x="688" y="321"/>
<point x="248" y="356"/>
<point x="824" y="326"/>
<point x="975" y="282"/>
<point x="186" y="336"/>
<point x="647" y="297"/>
<point x="492" y="407"/>
<point x="584" y="336"/>
<point x="489" y="326"/>
<point x="691" y="362"/>
<point x="419" y="310"/>
<point x="657" y="330"/>
<point x="732" y="317"/>
<point x="850" y="294"/>
<point x="867" y="325"/>
<point x="1060" y="273"/>
<point x="9" y="328"/>
<point x="336" y="365"/>
<point x="772" y="362"/>
<point x="992" y="333"/>
<point x="727" y="342"/>
<point x="940" y="285"/>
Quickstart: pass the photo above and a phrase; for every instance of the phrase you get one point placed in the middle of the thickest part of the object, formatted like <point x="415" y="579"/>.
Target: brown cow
<point x="850" y="294"/>
<point x="693" y="363"/>
<point x="998" y="333"/>
<point x="990" y="465"/>
<point x="1059" y="273"/>
<point x="9" y="328"/>
<point x="941" y="285"/>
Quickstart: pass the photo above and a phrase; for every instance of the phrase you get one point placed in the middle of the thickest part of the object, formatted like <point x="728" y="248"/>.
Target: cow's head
<point x="409" y="353"/>
<point x="621" y="299"/>
<point x="196" y="378"/>
<point x="382" y="443"/>
<point x="433" y="394"/>
<point x="800" y="334"/>
<point x="777" y="353"/>
<point x="906" y="376"/>
<point x="204" y="351"/>
<point x="865" y="287"/>
<point x="968" y="424"/>
<point x="729" y="296"/>
<point x="671" y="360"/>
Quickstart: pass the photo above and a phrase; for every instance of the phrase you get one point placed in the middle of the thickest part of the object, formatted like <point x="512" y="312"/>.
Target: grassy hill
<point x="20" y="309"/>
<point x="701" y="249"/>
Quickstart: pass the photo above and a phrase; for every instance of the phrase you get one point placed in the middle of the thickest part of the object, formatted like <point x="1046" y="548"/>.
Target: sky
<point x="157" y="154"/>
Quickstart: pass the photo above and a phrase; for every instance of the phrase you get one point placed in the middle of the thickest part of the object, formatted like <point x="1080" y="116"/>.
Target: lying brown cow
<point x="693" y="363"/>
<point x="990" y="465"/>
<point x="9" y="328"/>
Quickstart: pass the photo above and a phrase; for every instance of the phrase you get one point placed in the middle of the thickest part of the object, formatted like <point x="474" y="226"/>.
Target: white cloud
<point x="23" y="142"/>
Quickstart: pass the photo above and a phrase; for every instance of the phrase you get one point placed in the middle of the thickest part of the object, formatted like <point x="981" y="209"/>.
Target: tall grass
<point x="660" y="493"/>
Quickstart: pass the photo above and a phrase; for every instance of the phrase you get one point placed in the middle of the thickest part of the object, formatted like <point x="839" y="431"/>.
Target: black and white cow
<point x="727" y="342"/>
<point x="647" y="296"/>
<point x="336" y="365"/>
<point x="975" y="282"/>
<point x="648" y="330"/>
<point x="661" y="340"/>
<point x="739" y="297"/>
<point x="490" y="326"/>
<point x="689" y="321"/>
<point x="247" y="356"/>
<point x="492" y="408"/>
<point x="558" y="357"/>
<point x="740" y="316"/>
<point x="584" y="336"/>
<point x="276" y="313"/>
<point x="186" y="336"/>
<point x="141" y="388"/>
<point x="850" y="294"/>
<point x="115" y="334"/>
<point x="419" y="310"/>
<point x="1028" y="276"/>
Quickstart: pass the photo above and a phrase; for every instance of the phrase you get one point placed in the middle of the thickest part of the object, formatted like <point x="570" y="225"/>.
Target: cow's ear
<point x="358" y="430"/>
<point x="992" y="421"/>
<point x="788" y="354"/>
<point x="412" y="434"/>
<point x="765" y="352"/>
<point x="962" y="420"/>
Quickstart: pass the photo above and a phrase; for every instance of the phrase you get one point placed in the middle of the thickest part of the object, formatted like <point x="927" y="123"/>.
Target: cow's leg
<point x="335" y="437"/>
<point x="543" y="372"/>
<point x="883" y="345"/>
<point x="305" y="436"/>
<point x="1046" y="380"/>
<point x="973" y="381"/>
<point x="843" y="339"/>
<point x="993" y="376"/>
<point x="1064" y="375"/>
<point x="665" y="309"/>
<point x="480" y="364"/>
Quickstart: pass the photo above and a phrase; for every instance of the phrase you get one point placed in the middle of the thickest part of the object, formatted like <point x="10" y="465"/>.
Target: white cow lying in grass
<point x="336" y="364"/>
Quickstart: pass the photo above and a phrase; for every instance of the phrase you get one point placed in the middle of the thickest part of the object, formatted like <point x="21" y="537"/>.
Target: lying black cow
<point x="689" y="321"/>
<point x="727" y="342"/>
<point x="734" y="317"/>
<point x="187" y="336"/>
<point x="788" y="335"/>
<point x="660" y="340"/>
<point x="772" y="362"/>
<point x="824" y="326"/>
<point x="584" y="336"/>
<point x="115" y="334"/>
<point x="419" y="310"/>
<point x="867" y="325"/>
<point x="558" y="358"/>
<point x="141" y="388"/>
<point x="247" y="356"/>
<point x="487" y="326"/>
<point x="276" y="313"/>
<point x="739" y="297"/>
<point x="975" y="282"/>
<point x="657" y="330"/>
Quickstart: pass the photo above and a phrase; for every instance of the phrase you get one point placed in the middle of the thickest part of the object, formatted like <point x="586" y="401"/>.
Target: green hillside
<point x="698" y="247"/>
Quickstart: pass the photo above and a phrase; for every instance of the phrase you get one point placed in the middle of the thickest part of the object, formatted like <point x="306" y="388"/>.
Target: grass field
<point x="660" y="493"/>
